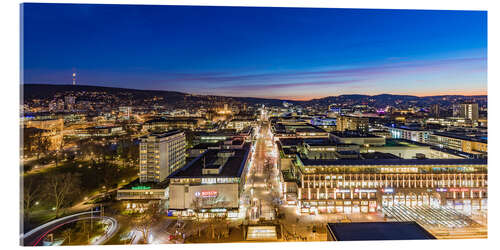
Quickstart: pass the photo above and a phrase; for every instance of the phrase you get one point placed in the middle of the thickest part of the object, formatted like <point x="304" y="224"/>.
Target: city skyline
<point x="152" y="124"/>
<point x="283" y="54"/>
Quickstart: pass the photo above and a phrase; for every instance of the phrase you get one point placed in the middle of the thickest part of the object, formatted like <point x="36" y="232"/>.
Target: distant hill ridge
<point x="47" y="90"/>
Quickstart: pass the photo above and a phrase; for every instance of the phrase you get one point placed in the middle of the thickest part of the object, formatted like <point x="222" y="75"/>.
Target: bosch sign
<point x="206" y="194"/>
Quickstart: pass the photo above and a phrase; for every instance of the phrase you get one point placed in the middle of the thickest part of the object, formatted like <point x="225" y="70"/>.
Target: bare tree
<point x="67" y="235"/>
<point x="110" y="173"/>
<point x="197" y="206"/>
<point x="31" y="192"/>
<point x="145" y="222"/>
<point x="59" y="188"/>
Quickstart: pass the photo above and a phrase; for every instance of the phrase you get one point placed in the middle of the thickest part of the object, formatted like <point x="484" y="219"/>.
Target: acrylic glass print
<point x="189" y="124"/>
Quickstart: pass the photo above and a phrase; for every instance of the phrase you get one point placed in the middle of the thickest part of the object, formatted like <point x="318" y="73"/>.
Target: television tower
<point x="74" y="79"/>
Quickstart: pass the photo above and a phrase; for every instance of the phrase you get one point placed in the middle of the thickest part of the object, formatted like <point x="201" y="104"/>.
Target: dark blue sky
<point x="292" y="53"/>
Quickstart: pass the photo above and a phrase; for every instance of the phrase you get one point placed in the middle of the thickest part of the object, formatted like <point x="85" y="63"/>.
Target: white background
<point x="9" y="91"/>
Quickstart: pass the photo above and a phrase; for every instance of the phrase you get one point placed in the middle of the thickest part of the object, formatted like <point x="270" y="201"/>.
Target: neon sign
<point x="141" y="188"/>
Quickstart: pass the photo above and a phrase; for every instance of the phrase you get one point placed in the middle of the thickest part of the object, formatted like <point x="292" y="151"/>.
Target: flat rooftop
<point x="409" y="128"/>
<point x="222" y="132"/>
<point x="388" y="162"/>
<point x="232" y="168"/>
<point x="378" y="231"/>
<point x="353" y="134"/>
<point x="207" y="145"/>
<point x="172" y="119"/>
<point x="477" y="137"/>
<point x="162" y="135"/>
<point x="137" y="185"/>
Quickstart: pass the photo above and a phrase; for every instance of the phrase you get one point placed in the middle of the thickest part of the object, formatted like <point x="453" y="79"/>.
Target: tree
<point x="67" y="235"/>
<point x="122" y="151"/>
<point x="31" y="192"/>
<point x="146" y="220"/>
<point x="35" y="142"/>
<point x="109" y="173"/>
<point x="197" y="206"/>
<point x="59" y="188"/>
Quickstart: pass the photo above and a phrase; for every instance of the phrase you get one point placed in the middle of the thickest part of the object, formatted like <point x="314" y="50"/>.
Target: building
<point x="222" y="135"/>
<point x="143" y="191"/>
<point x="409" y="133"/>
<point x="471" y="143"/>
<point x="468" y="111"/>
<point x="161" y="155"/>
<point x="210" y="185"/>
<point x="125" y="112"/>
<point x="296" y="130"/>
<point x="53" y="128"/>
<point x="412" y="150"/>
<point x="377" y="231"/>
<point x="352" y="123"/>
<point x="364" y="186"/>
<point x="326" y="149"/>
<point x="353" y="137"/>
<point x="70" y="102"/>
<point x="381" y="132"/>
<point x="435" y="110"/>
<point x="170" y="123"/>
<point x="452" y="122"/>
<point x="240" y="124"/>
<point x="99" y="131"/>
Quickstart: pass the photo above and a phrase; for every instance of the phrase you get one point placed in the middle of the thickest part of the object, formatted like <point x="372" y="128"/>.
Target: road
<point x="35" y="236"/>
<point x="261" y="194"/>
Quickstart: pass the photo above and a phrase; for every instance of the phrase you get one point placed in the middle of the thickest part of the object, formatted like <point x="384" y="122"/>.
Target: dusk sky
<point x="287" y="53"/>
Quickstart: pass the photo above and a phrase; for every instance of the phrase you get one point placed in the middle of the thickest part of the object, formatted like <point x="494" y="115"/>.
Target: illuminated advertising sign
<point x="441" y="189"/>
<point x="388" y="190"/>
<point x="218" y="210"/>
<point x="477" y="189"/>
<point x="206" y="194"/>
<point x="141" y="188"/>
<point x="459" y="189"/>
<point x="342" y="190"/>
<point x="362" y="190"/>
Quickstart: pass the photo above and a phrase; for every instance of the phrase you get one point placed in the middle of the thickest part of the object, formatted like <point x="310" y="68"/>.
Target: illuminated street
<point x="262" y="187"/>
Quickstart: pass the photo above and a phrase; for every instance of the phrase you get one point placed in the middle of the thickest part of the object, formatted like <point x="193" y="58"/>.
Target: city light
<point x="205" y="147"/>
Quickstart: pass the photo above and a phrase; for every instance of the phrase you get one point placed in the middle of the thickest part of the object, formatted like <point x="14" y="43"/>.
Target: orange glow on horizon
<point x="421" y="94"/>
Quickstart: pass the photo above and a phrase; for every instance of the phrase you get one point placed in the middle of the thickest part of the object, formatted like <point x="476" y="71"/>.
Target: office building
<point x="161" y="155"/>
<point x="468" y="111"/>
<point x="171" y="123"/>
<point x="435" y="110"/>
<point x="409" y="133"/>
<point x="472" y="143"/>
<point x="240" y="124"/>
<point x="352" y="123"/>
